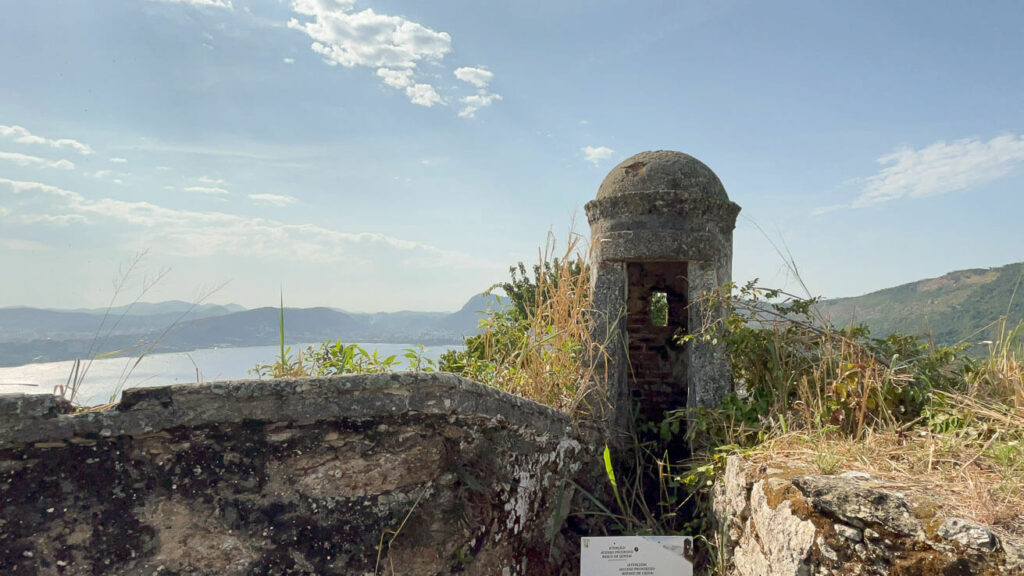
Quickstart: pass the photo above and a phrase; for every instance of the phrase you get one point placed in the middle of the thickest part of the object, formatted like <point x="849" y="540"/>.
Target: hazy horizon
<point x="437" y="311"/>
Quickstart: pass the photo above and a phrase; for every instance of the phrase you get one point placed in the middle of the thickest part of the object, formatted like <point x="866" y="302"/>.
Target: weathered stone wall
<point x="302" y="476"/>
<point x="776" y="524"/>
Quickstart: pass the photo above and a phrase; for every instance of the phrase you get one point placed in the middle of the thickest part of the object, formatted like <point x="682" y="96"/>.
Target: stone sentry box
<point x="660" y="227"/>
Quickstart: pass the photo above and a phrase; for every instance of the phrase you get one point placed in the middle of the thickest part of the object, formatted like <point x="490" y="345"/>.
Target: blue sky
<point x="384" y="155"/>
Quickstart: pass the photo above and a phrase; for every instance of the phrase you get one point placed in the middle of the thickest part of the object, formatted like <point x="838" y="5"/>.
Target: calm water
<point x="206" y="365"/>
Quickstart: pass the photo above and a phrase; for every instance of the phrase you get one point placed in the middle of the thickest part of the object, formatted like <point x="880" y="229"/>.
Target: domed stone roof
<point x="662" y="170"/>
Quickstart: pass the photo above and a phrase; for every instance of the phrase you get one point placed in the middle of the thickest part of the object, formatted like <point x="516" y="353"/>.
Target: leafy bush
<point x="334" y="358"/>
<point x="794" y="371"/>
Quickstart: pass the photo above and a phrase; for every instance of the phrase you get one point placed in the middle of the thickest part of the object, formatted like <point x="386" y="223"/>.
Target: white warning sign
<point x="636" y="556"/>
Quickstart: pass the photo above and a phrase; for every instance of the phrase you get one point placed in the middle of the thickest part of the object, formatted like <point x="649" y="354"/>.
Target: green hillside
<point x="953" y="308"/>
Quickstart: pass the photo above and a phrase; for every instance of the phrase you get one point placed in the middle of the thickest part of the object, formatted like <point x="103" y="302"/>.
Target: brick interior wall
<point x="657" y="380"/>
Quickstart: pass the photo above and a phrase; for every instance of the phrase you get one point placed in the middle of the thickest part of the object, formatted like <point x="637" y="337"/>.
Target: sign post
<point x="636" y="556"/>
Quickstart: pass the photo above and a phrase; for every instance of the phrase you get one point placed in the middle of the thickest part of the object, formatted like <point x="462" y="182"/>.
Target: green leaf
<point x="608" y="466"/>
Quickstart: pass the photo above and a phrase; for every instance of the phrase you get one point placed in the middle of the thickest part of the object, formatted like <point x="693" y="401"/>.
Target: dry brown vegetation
<point x="540" y="346"/>
<point x="965" y="451"/>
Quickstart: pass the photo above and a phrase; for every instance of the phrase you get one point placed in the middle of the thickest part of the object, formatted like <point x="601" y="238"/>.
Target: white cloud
<point x="423" y="94"/>
<point x="826" y="209"/>
<point x="366" y="38"/>
<point x="54" y="219"/>
<point x="32" y="194"/>
<point x="23" y="136"/>
<point x="118" y="160"/>
<point x="117" y="176"/>
<point x="209" y="190"/>
<point x="73" y="144"/>
<point x="288" y="60"/>
<point x="212" y="3"/>
<point x="941" y="168"/>
<point x="395" y="78"/>
<point x="479" y="77"/>
<point x="595" y="154"/>
<point x="392" y="45"/>
<point x="22" y="245"/>
<point x="163" y="168"/>
<point x="26" y="160"/>
<point x="272" y="199"/>
<point x="476" y="102"/>
<point x="211" y="181"/>
<point x="210" y="233"/>
<point x="19" y="186"/>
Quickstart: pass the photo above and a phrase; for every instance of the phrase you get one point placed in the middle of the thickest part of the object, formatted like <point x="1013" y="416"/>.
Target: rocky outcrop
<point x="369" y="474"/>
<point x="775" y="523"/>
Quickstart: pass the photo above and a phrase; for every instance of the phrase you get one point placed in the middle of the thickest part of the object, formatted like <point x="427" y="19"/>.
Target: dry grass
<point x="958" y="472"/>
<point x="552" y="363"/>
<point x="965" y="453"/>
<point x="836" y="406"/>
<point x="1000" y="376"/>
<point x="847" y="375"/>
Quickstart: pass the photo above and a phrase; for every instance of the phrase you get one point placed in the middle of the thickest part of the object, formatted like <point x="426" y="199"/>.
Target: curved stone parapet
<point x="301" y="476"/>
<point x="31" y="418"/>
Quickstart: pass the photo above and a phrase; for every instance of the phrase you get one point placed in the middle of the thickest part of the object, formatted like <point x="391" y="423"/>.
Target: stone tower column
<point x="661" y="231"/>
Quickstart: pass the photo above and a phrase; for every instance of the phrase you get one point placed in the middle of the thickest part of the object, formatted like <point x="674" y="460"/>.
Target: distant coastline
<point x="106" y="376"/>
<point x="32" y="335"/>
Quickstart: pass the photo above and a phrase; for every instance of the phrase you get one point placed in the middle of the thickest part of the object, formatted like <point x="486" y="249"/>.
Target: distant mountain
<point x="168" y="307"/>
<point x="953" y="308"/>
<point x="262" y="327"/>
<point x="400" y="326"/>
<point x="33" y="335"/>
<point x="467" y="320"/>
<point x="20" y="324"/>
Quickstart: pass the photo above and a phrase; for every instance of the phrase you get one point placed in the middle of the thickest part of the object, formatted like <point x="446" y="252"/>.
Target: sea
<point x="106" y="378"/>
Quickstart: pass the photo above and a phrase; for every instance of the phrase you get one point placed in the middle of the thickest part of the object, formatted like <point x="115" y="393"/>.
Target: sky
<point x="381" y="155"/>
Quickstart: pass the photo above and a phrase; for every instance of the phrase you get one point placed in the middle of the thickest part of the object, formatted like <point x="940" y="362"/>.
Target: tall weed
<point x="109" y="323"/>
<point x="539" y="345"/>
<point x="999" y="376"/>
